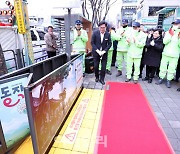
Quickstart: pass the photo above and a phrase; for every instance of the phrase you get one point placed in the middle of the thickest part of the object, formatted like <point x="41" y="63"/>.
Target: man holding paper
<point x="101" y="43"/>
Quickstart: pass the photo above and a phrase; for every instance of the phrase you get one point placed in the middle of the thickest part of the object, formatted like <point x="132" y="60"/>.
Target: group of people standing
<point x="157" y="51"/>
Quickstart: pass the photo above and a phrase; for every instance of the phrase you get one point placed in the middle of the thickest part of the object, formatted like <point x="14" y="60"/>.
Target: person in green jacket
<point x="122" y="46"/>
<point x="80" y="38"/>
<point x="170" y="53"/>
<point x="136" y="42"/>
<point x="110" y="52"/>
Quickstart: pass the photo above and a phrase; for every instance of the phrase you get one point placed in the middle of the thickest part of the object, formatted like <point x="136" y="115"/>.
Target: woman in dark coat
<point x="178" y="71"/>
<point x="152" y="56"/>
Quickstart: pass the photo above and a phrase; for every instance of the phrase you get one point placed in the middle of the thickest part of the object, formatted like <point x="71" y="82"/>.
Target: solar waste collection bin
<point x="45" y="78"/>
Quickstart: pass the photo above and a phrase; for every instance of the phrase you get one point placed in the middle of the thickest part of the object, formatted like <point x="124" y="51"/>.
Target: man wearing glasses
<point x="101" y="43"/>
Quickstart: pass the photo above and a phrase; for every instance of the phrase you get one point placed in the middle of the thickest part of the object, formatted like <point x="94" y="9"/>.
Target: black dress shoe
<point x="108" y="72"/>
<point x="119" y="73"/>
<point x="135" y="81"/>
<point x="127" y="80"/>
<point x="160" y="81"/>
<point x="102" y="82"/>
<point x="168" y="84"/>
<point x="96" y="80"/>
<point x="150" y="80"/>
<point x="145" y="79"/>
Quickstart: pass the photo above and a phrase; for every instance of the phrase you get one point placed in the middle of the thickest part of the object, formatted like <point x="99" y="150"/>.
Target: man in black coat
<point x="101" y="43"/>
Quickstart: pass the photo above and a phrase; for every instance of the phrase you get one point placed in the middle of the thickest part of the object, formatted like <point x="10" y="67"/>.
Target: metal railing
<point x="41" y="68"/>
<point x="10" y="60"/>
<point x="42" y="52"/>
<point x="16" y="60"/>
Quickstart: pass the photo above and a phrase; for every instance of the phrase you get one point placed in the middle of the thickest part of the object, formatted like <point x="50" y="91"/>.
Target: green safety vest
<point x="113" y="38"/>
<point x="122" y="43"/>
<point x="136" y="49"/>
<point x="79" y="43"/>
<point x="172" y="45"/>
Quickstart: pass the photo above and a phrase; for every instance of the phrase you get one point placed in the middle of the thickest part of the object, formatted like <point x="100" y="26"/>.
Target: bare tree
<point x="96" y="10"/>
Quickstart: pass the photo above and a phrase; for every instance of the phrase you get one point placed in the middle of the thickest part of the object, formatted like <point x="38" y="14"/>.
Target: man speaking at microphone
<point x="101" y="43"/>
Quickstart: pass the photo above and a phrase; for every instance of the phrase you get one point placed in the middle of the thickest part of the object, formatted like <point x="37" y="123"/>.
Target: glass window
<point x="33" y="36"/>
<point x="41" y="35"/>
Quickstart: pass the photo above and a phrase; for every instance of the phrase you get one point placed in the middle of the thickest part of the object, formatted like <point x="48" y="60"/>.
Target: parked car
<point x="10" y="40"/>
<point x="39" y="45"/>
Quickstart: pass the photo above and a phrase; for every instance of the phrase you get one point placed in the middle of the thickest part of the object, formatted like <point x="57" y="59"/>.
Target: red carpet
<point x="129" y="124"/>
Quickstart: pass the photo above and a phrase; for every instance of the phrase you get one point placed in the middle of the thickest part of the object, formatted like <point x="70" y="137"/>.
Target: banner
<point x="13" y="115"/>
<point x="20" y="16"/>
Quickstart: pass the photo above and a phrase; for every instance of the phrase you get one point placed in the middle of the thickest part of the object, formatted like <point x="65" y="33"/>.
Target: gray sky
<point x="43" y="8"/>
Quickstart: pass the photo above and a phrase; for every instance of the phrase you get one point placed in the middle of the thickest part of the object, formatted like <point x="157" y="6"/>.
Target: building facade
<point x="148" y="11"/>
<point x="128" y="10"/>
<point x="168" y="15"/>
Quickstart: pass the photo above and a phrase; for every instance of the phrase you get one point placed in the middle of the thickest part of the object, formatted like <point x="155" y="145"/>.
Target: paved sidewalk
<point x="164" y="101"/>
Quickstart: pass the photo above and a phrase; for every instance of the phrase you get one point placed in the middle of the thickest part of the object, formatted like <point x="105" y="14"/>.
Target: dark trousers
<point x="103" y="66"/>
<point x="178" y="70"/>
<point x="51" y="54"/>
<point x="150" y="71"/>
<point x="142" y="63"/>
<point x="141" y="69"/>
<point x="114" y="53"/>
<point x="157" y="71"/>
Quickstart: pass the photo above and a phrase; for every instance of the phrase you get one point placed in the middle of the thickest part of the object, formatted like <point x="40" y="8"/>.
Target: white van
<point x="39" y="45"/>
<point x="10" y="40"/>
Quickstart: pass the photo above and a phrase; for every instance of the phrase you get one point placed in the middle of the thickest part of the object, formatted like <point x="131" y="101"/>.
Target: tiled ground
<point x="85" y="139"/>
<point x="165" y="103"/>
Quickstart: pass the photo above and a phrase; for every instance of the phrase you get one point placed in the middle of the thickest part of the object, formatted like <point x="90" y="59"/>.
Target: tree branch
<point x="98" y="8"/>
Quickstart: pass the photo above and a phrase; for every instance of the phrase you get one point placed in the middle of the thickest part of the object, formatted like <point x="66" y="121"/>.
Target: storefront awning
<point x="166" y="10"/>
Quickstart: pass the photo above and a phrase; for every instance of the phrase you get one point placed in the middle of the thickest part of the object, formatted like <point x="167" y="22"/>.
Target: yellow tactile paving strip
<point x="26" y="147"/>
<point x="86" y="134"/>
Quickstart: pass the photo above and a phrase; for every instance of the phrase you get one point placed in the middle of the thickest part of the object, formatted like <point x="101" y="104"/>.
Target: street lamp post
<point x="68" y="4"/>
<point x="68" y="29"/>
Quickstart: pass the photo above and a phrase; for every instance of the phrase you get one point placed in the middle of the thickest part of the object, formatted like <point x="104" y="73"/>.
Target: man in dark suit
<point x="101" y="43"/>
